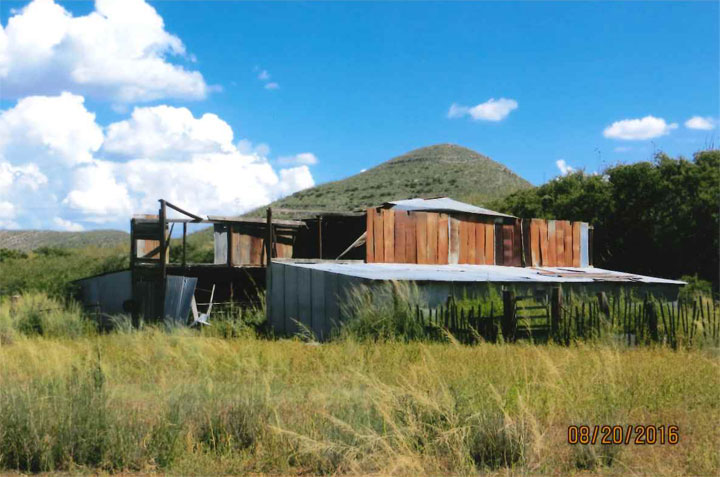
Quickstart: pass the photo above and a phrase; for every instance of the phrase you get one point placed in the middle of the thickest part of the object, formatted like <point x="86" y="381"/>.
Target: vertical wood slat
<point x="480" y="243"/>
<point x="517" y="244"/>
<point x="379" y="241"/>
<point x="443" y="239"/>
<point x="543" y="243"/>
<point x="526" y="244"/>
<point x="535" y="242"/>
<point x="568" y="243"/>
<point x="463" y="256"/>
<point x="401" y="220"/>
<point x="370" y="237"/>
<point x="454" y="254"/>
<point x="388" y="217"/>
<point x="472" y="251"/>
<point x="432" y="238"/>
<point x="256" y="250"/>
<point x="421" y="232"/>
<point x="552" y="244"/>
<point x="499" y="237"/>
<point x="489" y="244"/>
<point x="560" y="243"/>
<point x="576" y="244"/>
<point x="507" y="241"/>
<point x="411" y="239"/>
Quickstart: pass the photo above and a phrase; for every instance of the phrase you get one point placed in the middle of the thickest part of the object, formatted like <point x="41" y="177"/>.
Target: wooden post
<point x="269" y="239"/>
<point x="509" y="324"/>
<point x="555" y="310"/>
<point x="160" y="300"/>
<point x="652" y="320"/>
<point x="603" y="303"/>
<point x="320" y="250"/>
<point x="184" y="261"/>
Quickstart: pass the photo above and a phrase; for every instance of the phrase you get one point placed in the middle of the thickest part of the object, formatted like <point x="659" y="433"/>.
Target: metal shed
<point x="312" y="292"/>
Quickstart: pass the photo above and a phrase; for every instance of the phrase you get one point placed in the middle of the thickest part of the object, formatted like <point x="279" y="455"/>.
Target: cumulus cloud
<point x="82" y="176"/>
<point x="118" y="52"/>
<point x="304" y="158"/>
<point x="564" y="167"/>
<point x="648" y="127"/>
<point x="490" y="110"/>
<point x="699" y="122"/>
<point x="67" y="225"/>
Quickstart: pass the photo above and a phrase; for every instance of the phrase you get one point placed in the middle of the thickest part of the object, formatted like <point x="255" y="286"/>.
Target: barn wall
<point x="397" y="236"/>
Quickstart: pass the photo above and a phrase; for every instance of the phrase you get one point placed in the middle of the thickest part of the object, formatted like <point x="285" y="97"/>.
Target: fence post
<point x="509" y="324"/>
<point x="652" y="320"/>
<point x="555" y="310"/>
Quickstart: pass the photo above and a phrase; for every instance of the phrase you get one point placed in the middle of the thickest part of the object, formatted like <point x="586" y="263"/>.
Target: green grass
<point x="196" y="403"/>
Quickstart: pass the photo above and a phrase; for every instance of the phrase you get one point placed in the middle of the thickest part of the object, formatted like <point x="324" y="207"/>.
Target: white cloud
<point x="264" y="75"/>
<point x="158" y="152"/>
<point x="304" y="158"/>
<point x="272" y="85"/>
<point x="165" y="131"/>
<point x="648" y="127"/>
<point x="564" y="167"/>
<point x="490" y="110"/>
<point x="48" y="129"/>
<point x="698" y="122"/>
<point x="117" y="52"/>
<point x="67" y="225"/>
<point x="245" y="146"/>
<point x="7" y="216"/>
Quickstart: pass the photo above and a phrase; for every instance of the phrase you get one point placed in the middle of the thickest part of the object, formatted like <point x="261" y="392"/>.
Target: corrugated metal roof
<point x="476" y="273"/>
<point x="443" y="204"/>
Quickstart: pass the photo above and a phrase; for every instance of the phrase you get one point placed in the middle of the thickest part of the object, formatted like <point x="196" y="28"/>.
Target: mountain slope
<point x="27" y="240"/>
<point x="440" y="170"/>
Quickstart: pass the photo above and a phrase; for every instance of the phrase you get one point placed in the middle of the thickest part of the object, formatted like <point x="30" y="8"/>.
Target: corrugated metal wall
<point x="311" y="297"/>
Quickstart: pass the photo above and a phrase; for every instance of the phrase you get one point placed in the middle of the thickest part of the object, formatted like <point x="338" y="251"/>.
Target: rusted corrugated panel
<point x="543" y="243"/>
<point x="489" y="244"/>
<point x="411" y="239"/>
<point x="535" y="242"/>
<point x="568" y="243"/>
<point x="401" y="220"/>
<point x="379" y="241"/>
<point x="463" y="258"/>
<point x="370" y="238"/>
<point x="552" y="245"/>
<point x="421" y="233"/>
<point x="479" y="243"/>
<point x="388" y="217"/>
<point x="432" y="238"/>
<point x="560" y="243"/>
<point x="576" y="244"/>
<point x="517" y="244"/>
<point x="454" y="248"/>
<point x="443" y="236"/>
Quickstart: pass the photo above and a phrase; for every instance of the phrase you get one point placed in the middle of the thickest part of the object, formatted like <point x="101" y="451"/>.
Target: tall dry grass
<point x="224" y="401"/>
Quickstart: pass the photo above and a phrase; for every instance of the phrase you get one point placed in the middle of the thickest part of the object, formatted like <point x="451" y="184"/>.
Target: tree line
<point x="657" y="218"/>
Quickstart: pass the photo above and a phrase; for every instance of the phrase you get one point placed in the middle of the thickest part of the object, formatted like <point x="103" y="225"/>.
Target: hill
<point x="439" y="170"/>
<point x="27" y="240"/>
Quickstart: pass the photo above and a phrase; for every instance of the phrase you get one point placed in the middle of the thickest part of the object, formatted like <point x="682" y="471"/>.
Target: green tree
<point x="657" y="218"/>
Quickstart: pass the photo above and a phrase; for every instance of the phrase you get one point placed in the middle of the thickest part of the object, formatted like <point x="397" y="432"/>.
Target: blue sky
<point x="358" y="83"/>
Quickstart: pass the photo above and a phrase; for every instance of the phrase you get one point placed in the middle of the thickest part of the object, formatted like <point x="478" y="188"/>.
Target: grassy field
<point x="190" y="403"/>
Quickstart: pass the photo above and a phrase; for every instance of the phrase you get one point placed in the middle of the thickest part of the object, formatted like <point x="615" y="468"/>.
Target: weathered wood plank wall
<point x="397" y="236"/>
